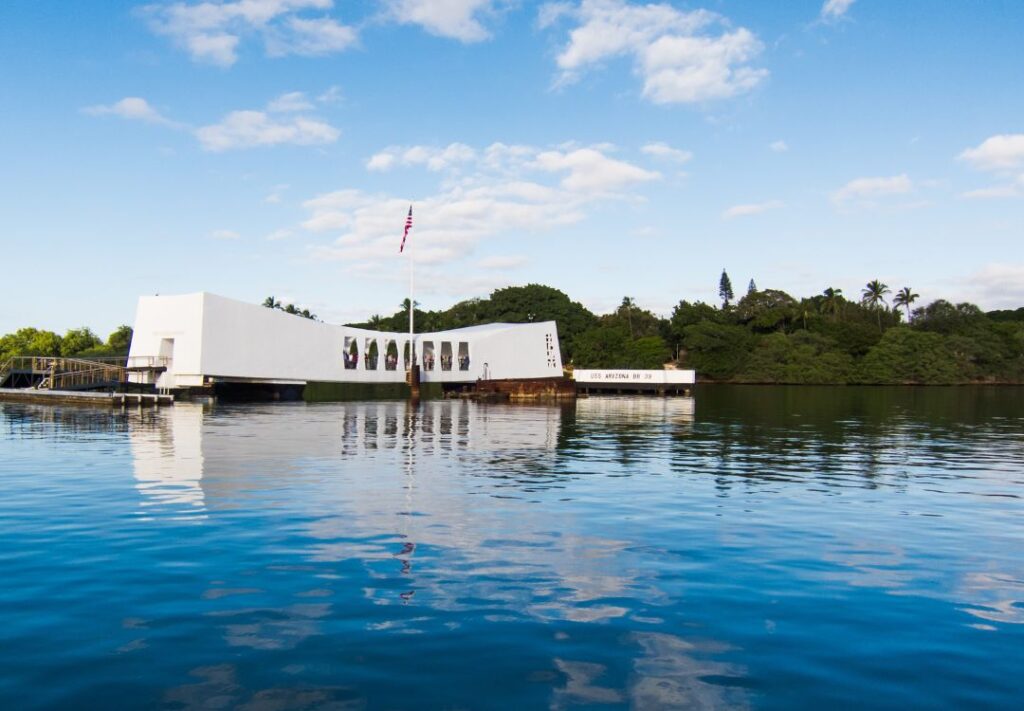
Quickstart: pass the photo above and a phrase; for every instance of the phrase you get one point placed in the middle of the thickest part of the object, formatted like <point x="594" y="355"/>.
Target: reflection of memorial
<point x="447" y="426"/>
<point x="381" y="481"/>
<point x="459" y="510"/>
<point x="167" y="458"/>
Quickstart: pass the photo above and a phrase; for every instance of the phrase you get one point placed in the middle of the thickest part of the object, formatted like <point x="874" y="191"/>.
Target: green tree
<point x="833" y="302"/>
<point x="610" y="346"/>
<point x="906" y="355"/>
<point x="535" y="302"/>
<point x="767" y="310"/>
<point x="905" y="297"/>
<point x="271" y="303"/>
<point x="751" y="287"/>
<point x="853" y="337"/>
<point x="873" y="296"/>
<point x="78" y="340"/>
<point x="120" y="340"/>
<point x="29" y="341"/>
<point x="649" y="352"/>
<point x="602" y="347"/>
<point x="800" y="358"/>
<point x="717" y="350"/>
<point x="628" y="304"/>
<point x="725" y="289"/>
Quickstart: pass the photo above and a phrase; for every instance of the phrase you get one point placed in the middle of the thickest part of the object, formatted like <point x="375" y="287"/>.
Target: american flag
<point x="408" y="226"/>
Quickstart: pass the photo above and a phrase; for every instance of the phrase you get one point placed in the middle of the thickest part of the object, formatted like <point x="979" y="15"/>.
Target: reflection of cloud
<point x="875" y="566"/>
<point x="579" y="686"/>
<point x="994" y="596"/>
<point x="282" y="628"/>
<point x="219" y="687"/>
<point x="670" y="675"/>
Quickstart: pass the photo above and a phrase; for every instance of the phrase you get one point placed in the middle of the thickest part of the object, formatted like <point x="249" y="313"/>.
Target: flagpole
<point x="412" y="269"/>
<point x="412" y="282"/>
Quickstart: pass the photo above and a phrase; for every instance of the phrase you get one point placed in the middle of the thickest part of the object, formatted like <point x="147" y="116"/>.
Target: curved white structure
<point x="203" y="338"/>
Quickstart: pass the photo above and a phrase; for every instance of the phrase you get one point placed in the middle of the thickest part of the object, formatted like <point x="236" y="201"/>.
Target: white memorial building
<point x="199" y="340"/>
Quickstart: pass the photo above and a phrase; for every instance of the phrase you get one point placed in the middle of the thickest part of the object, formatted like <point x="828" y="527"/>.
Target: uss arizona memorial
<point x="202" y="339"/>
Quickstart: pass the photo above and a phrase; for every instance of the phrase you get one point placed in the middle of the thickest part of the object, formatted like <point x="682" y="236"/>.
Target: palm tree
<point x="905" y="297"/>
<point x="628" y="302"/>
<point x="872" y="295"/>
<point x="833" y="301"/>
<point x="271" y="303"/>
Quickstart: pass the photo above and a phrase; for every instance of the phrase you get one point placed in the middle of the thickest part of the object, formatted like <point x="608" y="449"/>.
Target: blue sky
<point x="608" y="148"/>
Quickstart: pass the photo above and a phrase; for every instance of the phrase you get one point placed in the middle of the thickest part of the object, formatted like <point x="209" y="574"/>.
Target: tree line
<point x="75" y="343"/>
<point x="880" y="336"/>
<point x="766" y="336"/>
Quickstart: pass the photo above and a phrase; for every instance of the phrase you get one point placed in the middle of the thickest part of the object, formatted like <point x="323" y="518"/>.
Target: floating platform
<point x="79" y="397"/>
<point x="624" y="382"/>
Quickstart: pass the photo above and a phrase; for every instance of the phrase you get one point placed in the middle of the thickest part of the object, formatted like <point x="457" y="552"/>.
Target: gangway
<point x="53" y="373"/>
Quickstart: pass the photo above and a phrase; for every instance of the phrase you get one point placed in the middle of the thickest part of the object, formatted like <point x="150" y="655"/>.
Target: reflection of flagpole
<point x="409" y="546"/>
<point x="412" y="302"/>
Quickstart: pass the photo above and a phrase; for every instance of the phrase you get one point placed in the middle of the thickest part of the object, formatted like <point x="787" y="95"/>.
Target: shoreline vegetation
<point x="765" y="337"/>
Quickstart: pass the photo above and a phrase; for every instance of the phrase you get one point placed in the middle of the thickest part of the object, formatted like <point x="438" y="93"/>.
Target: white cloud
<point x="279" y="235"/>
<point x="667" y="152"/>
<point x="591" y="171"/>
<point x="867" y="189"/>
<point x="998" y="153"/>
<point x="585" y="169"/>
<point x="331" y="96"/>
<point x="309" y="37"/>
<point x="239" y="129"/>
<point x="681" y="56"/>
<point x="381" y="161"/>
<point x="225" y="234"/>
<point x="132" y="108"/>
<point x="434" y="159"/>
<point x="325" y="220"/>
<point x="294" y="101"/>
<point x="502" y="262"/>
<point x="995" y="286"/>
<point x="456" y="19"/>
<point x="1002" y="155"/>
<point x="248" y="129"/>
<point x="834" y="10"/>
<point x="751" y="209"/>
<point x="211" y="31"/>
<point x="996" y="191"/>
<point x="275" y="195"/>
<point x="494" y="190"/>
<point x="778" y="146"/>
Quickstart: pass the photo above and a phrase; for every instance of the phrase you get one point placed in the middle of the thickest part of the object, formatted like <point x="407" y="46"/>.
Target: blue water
<point x="768" y="548"/>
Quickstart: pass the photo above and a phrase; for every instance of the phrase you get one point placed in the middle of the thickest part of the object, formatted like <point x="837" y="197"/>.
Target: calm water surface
<point x="755" y="547"/>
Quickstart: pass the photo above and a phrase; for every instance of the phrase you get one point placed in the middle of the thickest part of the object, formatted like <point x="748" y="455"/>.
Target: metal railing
<point x="148" y="362"/>
<point x="66" y="373"/>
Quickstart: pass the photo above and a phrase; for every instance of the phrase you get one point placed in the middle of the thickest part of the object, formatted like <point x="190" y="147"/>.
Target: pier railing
<point x="66" y="373"/>
<point x="148" y="363"/>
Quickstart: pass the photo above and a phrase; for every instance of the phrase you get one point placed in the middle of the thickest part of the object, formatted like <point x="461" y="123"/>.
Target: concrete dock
<point x="75" y="397"/>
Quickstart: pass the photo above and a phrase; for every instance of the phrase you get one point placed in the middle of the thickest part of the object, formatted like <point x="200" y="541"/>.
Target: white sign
<point x="636" y="377"/>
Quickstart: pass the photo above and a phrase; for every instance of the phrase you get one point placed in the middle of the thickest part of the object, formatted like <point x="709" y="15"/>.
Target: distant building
<point x="200" y="340"/>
